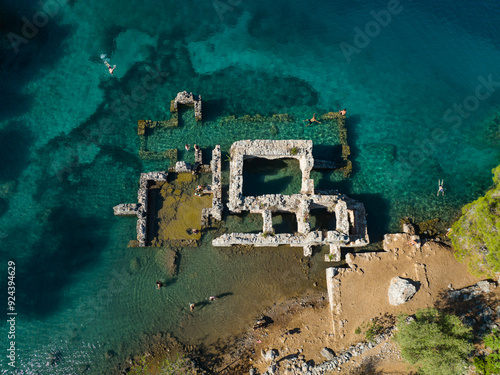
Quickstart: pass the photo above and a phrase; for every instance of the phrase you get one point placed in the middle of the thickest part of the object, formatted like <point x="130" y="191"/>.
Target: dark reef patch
<point x="14" y="153"/>
<point x="69" y="244"/>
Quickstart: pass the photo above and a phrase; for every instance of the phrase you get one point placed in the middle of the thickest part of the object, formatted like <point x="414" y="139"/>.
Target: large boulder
<point x="400" y="291"/>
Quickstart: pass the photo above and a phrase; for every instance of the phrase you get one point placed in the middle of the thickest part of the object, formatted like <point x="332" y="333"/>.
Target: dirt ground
<point x="306" y="325"/>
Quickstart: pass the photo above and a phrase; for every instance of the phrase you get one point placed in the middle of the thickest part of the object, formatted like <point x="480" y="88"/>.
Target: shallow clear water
<point x="69" y="147"/>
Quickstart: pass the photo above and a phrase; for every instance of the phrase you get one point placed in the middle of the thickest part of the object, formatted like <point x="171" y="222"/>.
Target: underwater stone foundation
<point x="139" y="209"/>
<point x="350" y="231"/>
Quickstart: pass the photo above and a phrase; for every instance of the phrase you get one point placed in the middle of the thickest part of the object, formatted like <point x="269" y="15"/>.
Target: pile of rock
<point x="297" y="364"/>
<point x="126" y="209"/>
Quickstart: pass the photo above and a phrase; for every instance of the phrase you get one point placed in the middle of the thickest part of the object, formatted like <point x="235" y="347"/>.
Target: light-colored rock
<point x="408" y="228"/>
<point x="126" y="209"/>
<point x="182" y="167"/>
<point x="271" y="355"/>
<point x="328" y="353"/>
<point x="482" y="287"/>
<point x="400" y="291"/>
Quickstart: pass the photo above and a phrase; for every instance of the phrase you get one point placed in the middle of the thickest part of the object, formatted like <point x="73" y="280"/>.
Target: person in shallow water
<point x="159" y="284"/>
<point x="343" y="112"/>
<point x="311" y="120"/>
<point x="191" y="307"/>
<point x="186" y="147"/>
<point x="440" y="188"/>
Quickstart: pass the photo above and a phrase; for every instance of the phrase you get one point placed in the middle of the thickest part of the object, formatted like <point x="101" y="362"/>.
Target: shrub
<point x="436" y="342"/>
<point x="490" y="364"/>
<point x="373" y="330"/>
<point x="476" y="235"/>
<point x="150" y="366"/>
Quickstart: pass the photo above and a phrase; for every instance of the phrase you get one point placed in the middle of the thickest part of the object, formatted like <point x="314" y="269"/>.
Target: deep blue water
<point x="420" y="81"/>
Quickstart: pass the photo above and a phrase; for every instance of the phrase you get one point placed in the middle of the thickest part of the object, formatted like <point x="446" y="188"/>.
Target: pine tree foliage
<point x="438" y="343"/>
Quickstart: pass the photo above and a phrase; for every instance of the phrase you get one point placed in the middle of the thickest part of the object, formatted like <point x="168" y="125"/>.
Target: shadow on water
<point x="377" y="209"/>
<point x="330" y="181"/>
<point x="259" y="185"/>
<point x="69" y="244"/>
<point x="14" y="154"/>
<point x="17" y="63"/>
<point x="264" y="176"/>
<point x="285" y="223"/>
<point x="222" y="295"/>
<point x="352" y="126"/>
<point x="170" y="282"/>
<point x="327" y="152"/>
<point x="4" y="206"/>
<point x="212" y="109"/>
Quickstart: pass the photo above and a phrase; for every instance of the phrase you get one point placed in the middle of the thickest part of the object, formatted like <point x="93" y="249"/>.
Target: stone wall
<point x="141" y="208"/>
<point x="216" y="210"/>
<point x="188" y="98"/>
<point x="350" y="215"/>
<point x="268" y="149"/>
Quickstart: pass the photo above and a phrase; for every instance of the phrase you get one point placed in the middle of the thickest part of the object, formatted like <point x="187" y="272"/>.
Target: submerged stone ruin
<point x="350" y="215"/>
<point x="141" y="208"/>
<point x="350" y="229"/>
<point x="147" y="180"/>
<point x="187" y="98"/>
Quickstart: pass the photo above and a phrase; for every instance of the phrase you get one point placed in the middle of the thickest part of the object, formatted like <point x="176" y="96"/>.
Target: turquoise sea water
<point x="418" y="100"/>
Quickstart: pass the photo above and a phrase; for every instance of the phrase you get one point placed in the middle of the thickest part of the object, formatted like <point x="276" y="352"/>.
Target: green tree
<point x="437" y="343"/>
<point x="490" y="364"/>
<point x="476" y="235"/>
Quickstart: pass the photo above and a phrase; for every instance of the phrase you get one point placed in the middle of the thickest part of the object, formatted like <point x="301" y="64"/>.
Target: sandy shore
<point x="300" y="328"/>
<point x="303" y="326"/>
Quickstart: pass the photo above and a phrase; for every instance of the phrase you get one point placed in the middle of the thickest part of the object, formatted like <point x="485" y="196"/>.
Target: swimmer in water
<point x="110" y="68"/>
<point x="108" y="65"/>
<point x="312" y="120"/>
<point x="440" y="187"/>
